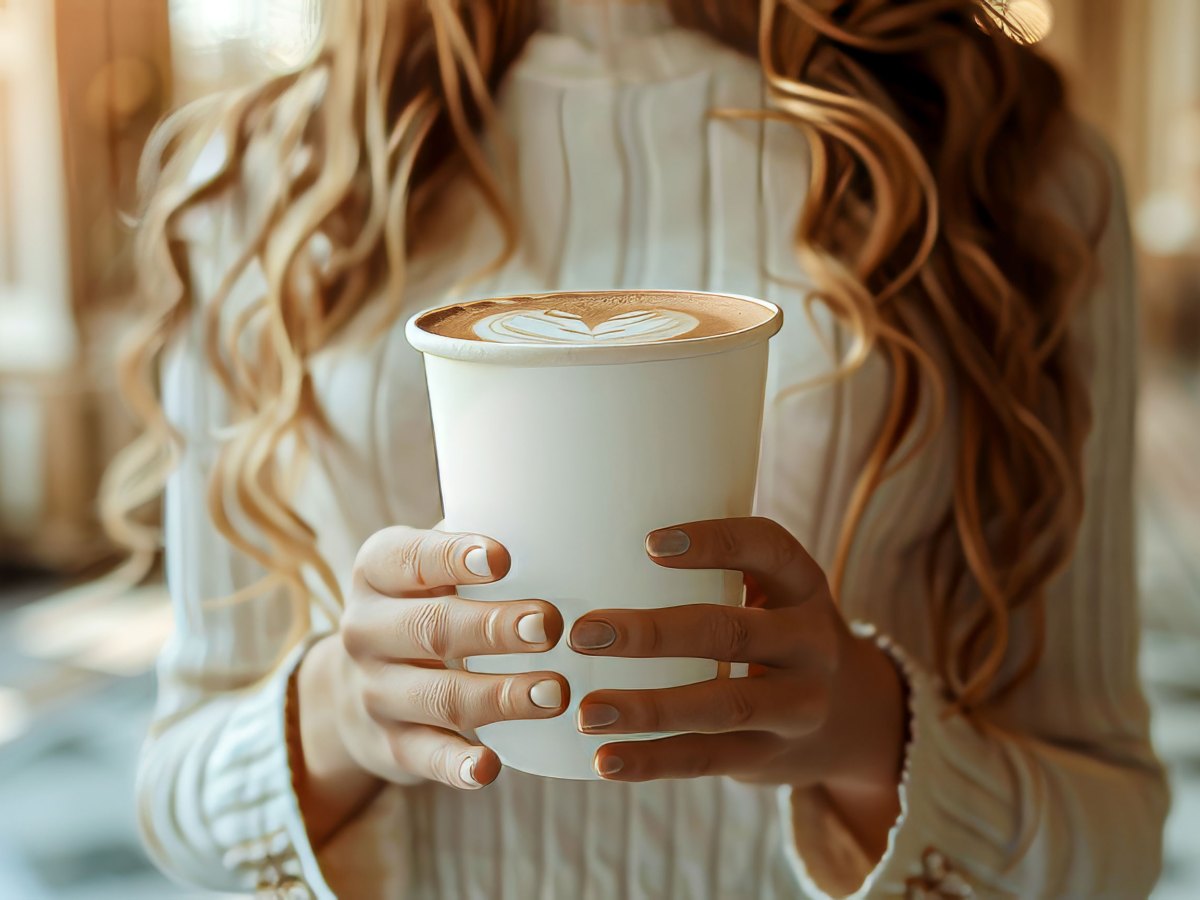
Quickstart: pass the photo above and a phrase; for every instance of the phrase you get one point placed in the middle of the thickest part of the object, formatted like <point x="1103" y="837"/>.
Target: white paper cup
<point x="569" y="456"/>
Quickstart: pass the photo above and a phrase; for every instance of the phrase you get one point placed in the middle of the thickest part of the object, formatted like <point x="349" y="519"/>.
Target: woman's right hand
<point x="382" y="682"/>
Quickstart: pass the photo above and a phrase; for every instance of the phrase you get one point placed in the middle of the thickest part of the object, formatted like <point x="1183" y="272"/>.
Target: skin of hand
<point x="820" y="707"/>
<point x="376" y="700"/>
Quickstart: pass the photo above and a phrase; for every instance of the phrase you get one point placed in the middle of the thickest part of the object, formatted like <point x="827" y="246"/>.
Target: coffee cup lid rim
<point x="535" y="354"/>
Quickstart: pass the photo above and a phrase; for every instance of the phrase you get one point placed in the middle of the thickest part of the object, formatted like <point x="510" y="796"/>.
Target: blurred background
<point x="82" y="83"/>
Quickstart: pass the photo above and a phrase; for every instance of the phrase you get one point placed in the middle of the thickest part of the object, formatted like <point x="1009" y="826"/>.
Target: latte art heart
<point x="552" y="326"/>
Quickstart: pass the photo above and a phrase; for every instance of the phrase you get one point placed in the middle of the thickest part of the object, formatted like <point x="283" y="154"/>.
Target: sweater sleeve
<point x="214" y="792"/>
<point x="1057" y="793"/>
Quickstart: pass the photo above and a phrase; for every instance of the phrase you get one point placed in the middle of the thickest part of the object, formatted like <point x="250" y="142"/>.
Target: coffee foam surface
<point x="601" y="319"/>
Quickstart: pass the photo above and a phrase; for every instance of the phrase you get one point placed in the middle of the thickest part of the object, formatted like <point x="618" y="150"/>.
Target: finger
<point x="703" y="631"/>
<point x="778" y="705"/>
<point x="757" y="546"/>
<point x="442" y="628"/>
<point x="687" y="756"/>
<point x="462" y="701"/>
<point x="437" y="755"/>
<point x="400" y="560"/>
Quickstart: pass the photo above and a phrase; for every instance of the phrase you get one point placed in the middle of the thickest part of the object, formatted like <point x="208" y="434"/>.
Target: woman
<point x="946" y="462"/>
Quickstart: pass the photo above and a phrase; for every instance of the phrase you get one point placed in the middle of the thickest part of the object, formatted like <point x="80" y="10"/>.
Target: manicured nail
<point x="467" y="772"/>
<point x="546" y="694"/>
<point x="532" y="628"/>
<point x="477" y="562"/>
<point x="610" y="765"/>
<point x="597" y="715"/>
<point x="592" y="635"/>
<point x="671" y="542"/>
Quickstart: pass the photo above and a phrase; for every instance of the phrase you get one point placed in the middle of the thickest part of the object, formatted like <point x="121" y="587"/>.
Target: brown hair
<point x="931" y="129"/>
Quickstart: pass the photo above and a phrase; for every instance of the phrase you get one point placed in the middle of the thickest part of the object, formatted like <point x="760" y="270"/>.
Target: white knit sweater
<point x="625" y="181"/>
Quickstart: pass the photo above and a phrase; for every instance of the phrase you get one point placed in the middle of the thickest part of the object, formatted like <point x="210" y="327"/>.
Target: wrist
<point x="330" y="785"/>
<point x="322" y="750"/>
<point x="872" y="722"/>
<point x="864" y="787"/>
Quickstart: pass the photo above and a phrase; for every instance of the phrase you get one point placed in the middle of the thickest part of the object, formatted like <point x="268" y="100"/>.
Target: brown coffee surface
<point x="636" y="317"/>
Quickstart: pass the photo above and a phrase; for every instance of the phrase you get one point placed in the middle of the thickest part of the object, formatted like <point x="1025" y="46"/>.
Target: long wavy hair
<point x="931" y="124"/>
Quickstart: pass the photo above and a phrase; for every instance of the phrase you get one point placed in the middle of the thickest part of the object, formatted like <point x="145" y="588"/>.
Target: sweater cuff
<point x="250" y="797"/>
<point x="827" y="858"/>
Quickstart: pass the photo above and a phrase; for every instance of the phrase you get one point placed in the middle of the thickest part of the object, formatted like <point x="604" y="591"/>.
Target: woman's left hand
<point x="819" y="706"/>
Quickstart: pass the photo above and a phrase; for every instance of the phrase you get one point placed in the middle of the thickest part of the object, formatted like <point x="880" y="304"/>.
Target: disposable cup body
<point x="569" y="456"/>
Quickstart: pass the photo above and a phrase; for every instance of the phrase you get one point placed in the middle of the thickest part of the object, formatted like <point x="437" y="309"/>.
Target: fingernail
<point x="467" y="772"/>
<point x="532" y="628"/>
<point x="477" y="562"/>
<point x="592" y="635"/>
<point x="597" y="715"/>
<point x="546" y="694"/>
<point x="671" y="542"/>
<point x="610" y="765"/>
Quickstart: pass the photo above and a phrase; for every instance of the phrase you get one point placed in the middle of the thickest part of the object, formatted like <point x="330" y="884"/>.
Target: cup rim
<point x="534" y="354"/>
